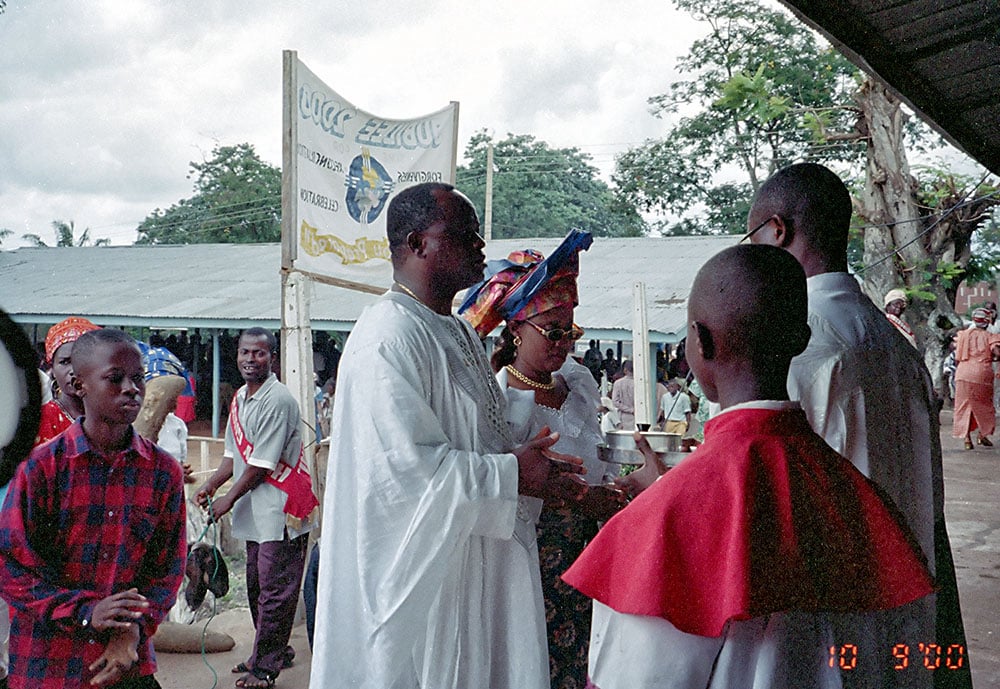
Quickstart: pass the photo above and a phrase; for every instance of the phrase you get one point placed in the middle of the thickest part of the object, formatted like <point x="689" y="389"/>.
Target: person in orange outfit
<point x="975" y="351"/>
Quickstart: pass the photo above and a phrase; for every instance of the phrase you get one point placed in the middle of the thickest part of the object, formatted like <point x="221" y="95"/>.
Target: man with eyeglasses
<point x="417" y="580"/>
<point x="868" y="393"/>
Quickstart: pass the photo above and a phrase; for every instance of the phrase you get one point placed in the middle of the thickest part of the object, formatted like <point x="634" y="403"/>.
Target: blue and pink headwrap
<point x="525" y="284"/>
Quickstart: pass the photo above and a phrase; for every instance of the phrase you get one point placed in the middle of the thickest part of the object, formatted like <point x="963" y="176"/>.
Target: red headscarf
<point x="64" y="331"/>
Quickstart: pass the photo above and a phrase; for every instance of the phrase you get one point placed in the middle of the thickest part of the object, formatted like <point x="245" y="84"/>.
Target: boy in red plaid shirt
<point x="92" y="536"/>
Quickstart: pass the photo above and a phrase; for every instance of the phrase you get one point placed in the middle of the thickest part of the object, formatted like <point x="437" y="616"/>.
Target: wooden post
<point x="640" y="356"/>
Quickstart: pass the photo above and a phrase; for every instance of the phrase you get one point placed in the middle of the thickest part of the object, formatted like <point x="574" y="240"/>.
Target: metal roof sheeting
<point x="239" y="285"/>
<point x="941" y="56"/>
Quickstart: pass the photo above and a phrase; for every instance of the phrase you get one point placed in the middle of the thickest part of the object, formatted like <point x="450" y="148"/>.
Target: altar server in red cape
<point x="764" y="559"/>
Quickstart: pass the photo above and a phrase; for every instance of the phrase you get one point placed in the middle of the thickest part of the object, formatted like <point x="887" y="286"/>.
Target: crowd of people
<point x="473" y="537"/>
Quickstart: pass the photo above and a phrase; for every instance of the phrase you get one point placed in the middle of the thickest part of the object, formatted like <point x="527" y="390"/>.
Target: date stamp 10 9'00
<point x="903" y="656"/>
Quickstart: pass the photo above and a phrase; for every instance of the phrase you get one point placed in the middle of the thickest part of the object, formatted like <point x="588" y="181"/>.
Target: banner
<point x="348" y="164"/>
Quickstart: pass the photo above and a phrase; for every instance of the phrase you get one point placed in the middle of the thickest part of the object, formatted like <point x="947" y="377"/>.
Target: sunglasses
<point x="754" y="231"/>
<point x="557" y="334"/>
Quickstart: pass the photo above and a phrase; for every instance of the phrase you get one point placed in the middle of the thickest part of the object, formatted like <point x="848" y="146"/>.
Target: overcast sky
<point x="104" y="104"/>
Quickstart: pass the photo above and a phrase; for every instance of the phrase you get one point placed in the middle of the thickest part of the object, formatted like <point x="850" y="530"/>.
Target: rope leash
<point x="214" y="527"/>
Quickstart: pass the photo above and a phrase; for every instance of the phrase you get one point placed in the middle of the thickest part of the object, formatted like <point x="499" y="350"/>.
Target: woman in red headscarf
<point x="975" y="351"/>
<point x="59" y="413"/>
<point x="545" y="386"/>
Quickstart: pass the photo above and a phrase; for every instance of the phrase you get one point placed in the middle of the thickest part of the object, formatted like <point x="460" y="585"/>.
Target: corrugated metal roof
<point x="941" y="56"/>
<point x="238" y="285"/>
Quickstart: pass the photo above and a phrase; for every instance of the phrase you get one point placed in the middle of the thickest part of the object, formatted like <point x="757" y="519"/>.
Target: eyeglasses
<point x="754" y="231"/>
<point x="557" y="334"/>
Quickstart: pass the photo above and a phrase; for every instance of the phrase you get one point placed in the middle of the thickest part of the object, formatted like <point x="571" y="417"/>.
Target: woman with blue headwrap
<point x="545" y="386"/>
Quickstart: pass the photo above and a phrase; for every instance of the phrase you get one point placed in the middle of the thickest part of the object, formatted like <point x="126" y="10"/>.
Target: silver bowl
<point x="619" y="448"/>
<point x="658" y="440"/>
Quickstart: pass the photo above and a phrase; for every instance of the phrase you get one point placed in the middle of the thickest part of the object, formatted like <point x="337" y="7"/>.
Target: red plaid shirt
<point x="76" y="527"/>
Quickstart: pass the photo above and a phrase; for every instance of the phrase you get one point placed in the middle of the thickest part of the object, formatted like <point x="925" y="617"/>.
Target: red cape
<point x="764" y="517"/>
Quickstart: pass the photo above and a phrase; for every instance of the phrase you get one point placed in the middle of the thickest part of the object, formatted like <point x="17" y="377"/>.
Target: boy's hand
<point x="118" y="658"/>
<point x="188" y="473"/>
<point x="119" y="610"/>
<point x="643" y="477"/>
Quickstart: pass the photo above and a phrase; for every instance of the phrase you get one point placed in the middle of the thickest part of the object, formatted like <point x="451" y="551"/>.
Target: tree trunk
<point x="895" y="254"/>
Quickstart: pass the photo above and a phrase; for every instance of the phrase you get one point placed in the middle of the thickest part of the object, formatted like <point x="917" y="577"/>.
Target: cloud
<point x="104" y="104"/>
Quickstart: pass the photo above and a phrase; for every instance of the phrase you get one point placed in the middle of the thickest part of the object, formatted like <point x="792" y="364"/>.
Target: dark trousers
<point x="274" y="575"/>
<point x="309" y="592"/>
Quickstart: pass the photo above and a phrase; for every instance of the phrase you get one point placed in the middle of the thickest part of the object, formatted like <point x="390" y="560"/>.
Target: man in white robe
<point x="865" y="390"/>
<point x="429" y="577"/>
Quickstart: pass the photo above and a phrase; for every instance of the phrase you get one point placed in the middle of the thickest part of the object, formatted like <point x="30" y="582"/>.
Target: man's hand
<point x="220" y="506"/>
<point x="535" y="460"/>
<point x="204" y="493"/>
<point x="118" y="658"/>
<point x="119" y="610"/>
<point x="188" y="473"/>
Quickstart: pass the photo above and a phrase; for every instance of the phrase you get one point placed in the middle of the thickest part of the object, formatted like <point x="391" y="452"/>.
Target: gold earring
<point x="517" y="341"/>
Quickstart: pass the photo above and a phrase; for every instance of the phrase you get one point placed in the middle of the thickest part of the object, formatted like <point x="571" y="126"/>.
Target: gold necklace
<point x="528" y="381"/>
<point x="409" y="291"/>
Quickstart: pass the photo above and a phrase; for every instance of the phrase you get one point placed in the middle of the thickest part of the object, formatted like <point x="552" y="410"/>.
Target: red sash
<point x="295" y="481"/>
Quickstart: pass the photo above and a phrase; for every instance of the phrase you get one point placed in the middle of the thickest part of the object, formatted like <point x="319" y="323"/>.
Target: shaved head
<point x="752" y="302"/>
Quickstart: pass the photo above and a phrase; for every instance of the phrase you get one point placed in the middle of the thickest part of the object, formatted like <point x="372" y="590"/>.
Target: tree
<point x="539" y="191"/>
<point x="65" y="233"/>
<point x="755" y="80"/>
<point x="770" y="95"/>
<point x="4" y="233"/>
<point x="919" y="232"/>
<point x="237" y="199"/>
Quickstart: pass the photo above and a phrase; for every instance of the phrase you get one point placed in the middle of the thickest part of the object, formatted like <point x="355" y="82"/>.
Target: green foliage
<point x="762" y="93"/>
<point x="984" y="264"/>
<point x="969" y="203"/>
<point x="65" y="233"/>
<point x="237" y="199"/>
<point x="539" y="191"/>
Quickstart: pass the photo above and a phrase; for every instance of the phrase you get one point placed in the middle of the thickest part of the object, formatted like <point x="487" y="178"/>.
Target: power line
<point x="937" y="221"/>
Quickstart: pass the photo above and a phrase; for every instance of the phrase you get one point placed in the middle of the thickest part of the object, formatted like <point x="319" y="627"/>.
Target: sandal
<point x="985" y="442"/>
<point x="286" y="662"/>
<point x="969" y="445"/>
<point x="257" y="679"/>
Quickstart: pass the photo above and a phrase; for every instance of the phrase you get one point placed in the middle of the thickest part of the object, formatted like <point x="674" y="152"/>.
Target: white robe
<point x="637" y="652"/>
<point x="867" y="392"/>
<point x="428" y="575"/>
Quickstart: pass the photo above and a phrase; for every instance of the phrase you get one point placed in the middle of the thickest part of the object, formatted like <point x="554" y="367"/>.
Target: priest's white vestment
<point x="428" y="569"/>
<point x="867" y="392"/>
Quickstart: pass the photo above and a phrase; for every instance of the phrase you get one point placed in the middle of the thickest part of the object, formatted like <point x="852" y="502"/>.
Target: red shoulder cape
<point x="764" y="517"/>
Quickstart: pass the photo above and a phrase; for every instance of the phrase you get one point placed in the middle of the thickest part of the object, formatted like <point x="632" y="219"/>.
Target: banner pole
<point x="296" y="331"/>
<point x="289" y="175"/>
<point x="454" y="146"/>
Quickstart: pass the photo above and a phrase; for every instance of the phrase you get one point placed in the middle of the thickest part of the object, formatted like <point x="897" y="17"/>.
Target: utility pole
<point x="488" y="211"/>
